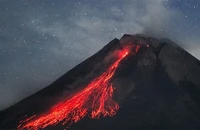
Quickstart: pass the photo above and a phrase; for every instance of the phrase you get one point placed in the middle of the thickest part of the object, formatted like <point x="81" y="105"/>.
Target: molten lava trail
<point x="94" y="100"/>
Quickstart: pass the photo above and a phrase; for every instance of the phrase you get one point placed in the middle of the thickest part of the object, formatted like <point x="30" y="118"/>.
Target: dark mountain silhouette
<point x="156" y="88"/>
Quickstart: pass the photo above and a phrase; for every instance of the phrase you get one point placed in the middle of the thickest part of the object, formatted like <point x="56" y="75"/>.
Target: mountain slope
<point x="157" y="87"/>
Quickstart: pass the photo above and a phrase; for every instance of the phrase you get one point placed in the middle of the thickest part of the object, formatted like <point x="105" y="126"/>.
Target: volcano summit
<point x="136" y="82"/>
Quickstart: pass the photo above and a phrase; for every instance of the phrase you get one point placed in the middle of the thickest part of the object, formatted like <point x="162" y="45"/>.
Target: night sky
<point x="40" y="40"/>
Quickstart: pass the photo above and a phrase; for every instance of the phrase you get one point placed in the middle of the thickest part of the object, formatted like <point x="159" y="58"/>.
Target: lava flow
<point x="94" y="100"/>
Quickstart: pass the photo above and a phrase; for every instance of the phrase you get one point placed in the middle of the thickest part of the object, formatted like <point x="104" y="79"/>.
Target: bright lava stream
<point x="94" y="100"/>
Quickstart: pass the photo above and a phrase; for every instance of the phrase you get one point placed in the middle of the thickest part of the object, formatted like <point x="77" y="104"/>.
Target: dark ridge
<point x="158" y="49"/>
<point x="171" y="95"/>
<point x="190" y="89"/>
<point x="182" y="50"/>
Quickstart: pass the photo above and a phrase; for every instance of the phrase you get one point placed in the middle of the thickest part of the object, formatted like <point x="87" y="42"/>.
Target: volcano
<point x="137" y="82"/>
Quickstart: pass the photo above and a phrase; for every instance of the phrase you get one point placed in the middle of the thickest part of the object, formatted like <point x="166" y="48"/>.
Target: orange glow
<point x="95" y="100"/>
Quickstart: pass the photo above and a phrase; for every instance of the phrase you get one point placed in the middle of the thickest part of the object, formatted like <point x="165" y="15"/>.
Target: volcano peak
<point x="135" y="82"/>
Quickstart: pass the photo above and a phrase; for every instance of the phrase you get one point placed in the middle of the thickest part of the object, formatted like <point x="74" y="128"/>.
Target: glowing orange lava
<point x="94" y="100"/>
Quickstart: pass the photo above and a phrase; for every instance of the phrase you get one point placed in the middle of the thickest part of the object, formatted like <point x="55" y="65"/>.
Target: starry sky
<point x="40" y="40"/>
